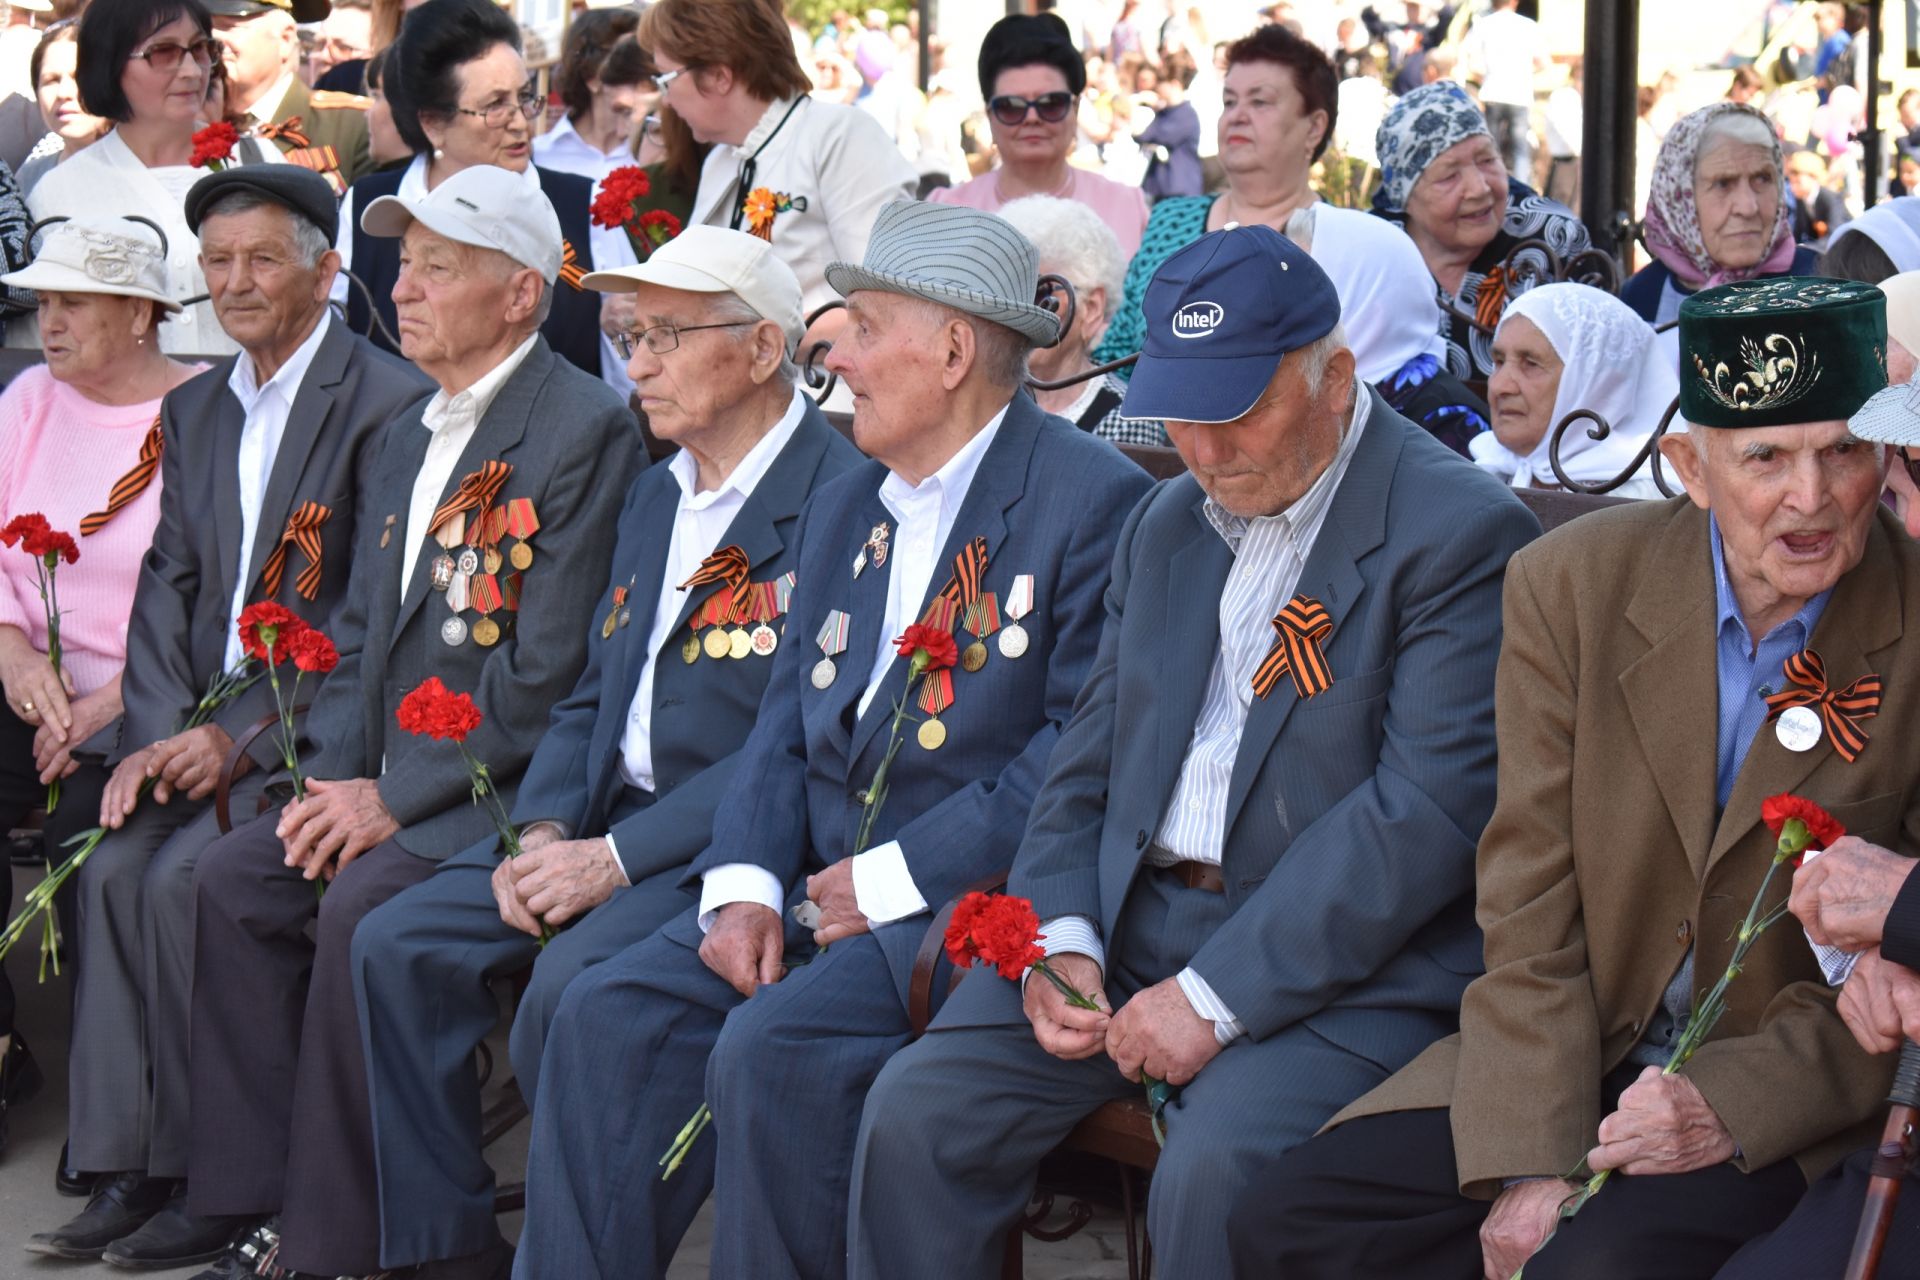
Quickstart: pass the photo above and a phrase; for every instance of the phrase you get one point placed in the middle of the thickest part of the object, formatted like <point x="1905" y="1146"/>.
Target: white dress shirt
<point x="563" y="150"/>
<point x="1269" y="553"/>
<point x="699" y="523"/>
<point x="267" y="409"/>
<point x="451" y="421"/>
<point x="263" y="111"/>
<point x="923" y="516"/>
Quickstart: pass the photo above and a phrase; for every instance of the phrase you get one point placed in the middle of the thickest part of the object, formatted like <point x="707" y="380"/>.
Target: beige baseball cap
<point x="704" y="259"/>
<point x="484" y="206"/>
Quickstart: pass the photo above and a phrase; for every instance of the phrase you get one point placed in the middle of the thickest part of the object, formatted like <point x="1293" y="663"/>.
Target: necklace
<point x="1058" y="193"/>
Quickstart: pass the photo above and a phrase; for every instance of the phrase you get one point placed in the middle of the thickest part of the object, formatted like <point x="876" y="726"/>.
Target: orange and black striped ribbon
<point x="287" y="131"/>
<point x="131" y="485"/>
<point x="1840" y="709"/>
<point x="969" y="570"/>
<point x="570" y="270"/>
<point x="477" y="490"/>
<point x="303" y="531"/>
<point x="728" y="565"/>
<point x="1300" y="626"/>
<point x="1491" y="301"/>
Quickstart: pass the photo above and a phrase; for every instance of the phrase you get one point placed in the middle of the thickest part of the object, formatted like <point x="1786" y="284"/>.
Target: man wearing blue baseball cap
<point x="1255" y="846"/>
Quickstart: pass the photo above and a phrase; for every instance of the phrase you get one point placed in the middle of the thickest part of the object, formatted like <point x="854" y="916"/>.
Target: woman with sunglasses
<point x="1032" y="77"/>
<point x="144" y="65"/>
<point x="457" y="89"/>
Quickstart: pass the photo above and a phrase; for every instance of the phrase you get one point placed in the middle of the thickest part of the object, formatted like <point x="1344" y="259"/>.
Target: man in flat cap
<point x="991" y="525"/>
<point x="1667" y="668"/>
<point x="489" y="507"/>
<point x="315" y="129"/>
<point x="621" y="793"/>
<point x="262" y="456"/>
<point x="1254" y="850"/>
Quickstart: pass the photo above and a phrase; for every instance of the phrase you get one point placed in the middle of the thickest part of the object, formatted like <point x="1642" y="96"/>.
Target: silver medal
<point x="1798" y="729"/>
<point x="469" y="562"/>
<point x="823" y="673"/>
<point x="454" y="631"/>
<point x="1013" y="640"/>
<point x="763" y="640"/>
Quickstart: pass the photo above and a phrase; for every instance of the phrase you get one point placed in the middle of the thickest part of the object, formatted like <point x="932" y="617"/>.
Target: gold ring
<point x="27" y="707"/>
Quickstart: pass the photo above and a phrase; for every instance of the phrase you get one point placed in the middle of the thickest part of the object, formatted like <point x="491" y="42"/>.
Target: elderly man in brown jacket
<point x="1636" y="746"/>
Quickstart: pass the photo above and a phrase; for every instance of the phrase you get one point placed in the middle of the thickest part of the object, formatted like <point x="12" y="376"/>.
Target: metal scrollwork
<point x="1533" y="262"/>
<point x="819" y="379"/>
<point x="1600" y="430"/>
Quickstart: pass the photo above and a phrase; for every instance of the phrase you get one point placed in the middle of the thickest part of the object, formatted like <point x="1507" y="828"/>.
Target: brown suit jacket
<point x="1605" y="859"/>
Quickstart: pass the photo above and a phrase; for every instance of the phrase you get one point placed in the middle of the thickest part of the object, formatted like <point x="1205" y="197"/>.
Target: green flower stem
<point x="683" y="1142"/>
<point x="876" y="794"/>
<point x="487" y="796"/>
<point x="50" y="594"/>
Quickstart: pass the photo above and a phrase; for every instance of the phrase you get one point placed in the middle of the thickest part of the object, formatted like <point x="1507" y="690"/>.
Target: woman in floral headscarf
<point x="1443" y="181"/>
<point x="1717" y="211"/>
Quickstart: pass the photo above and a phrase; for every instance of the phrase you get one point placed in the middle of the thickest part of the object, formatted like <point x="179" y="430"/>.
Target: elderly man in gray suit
<point x="490" y="507"/>
<point x="622" y="791"/>
<point x="276" y="440"/>
<point x="1255" y="844"/>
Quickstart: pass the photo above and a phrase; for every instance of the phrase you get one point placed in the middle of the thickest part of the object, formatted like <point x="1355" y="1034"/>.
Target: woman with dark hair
<point x="144" y="65"/>
<point x="384" y="142"/>
<point x="807" y="176"/>
<point x="604" y="100"/>
<point x="459" y="94"/>
<point x="1032" y="78"/>
<point x="70" y="130"/>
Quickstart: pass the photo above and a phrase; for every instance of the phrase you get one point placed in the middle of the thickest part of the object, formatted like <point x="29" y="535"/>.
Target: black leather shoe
<point x="120" y="1207"/>
<point x="174" y="1238"/>
<point x="69" y="1181"/>
<point x="250" y="1255"/>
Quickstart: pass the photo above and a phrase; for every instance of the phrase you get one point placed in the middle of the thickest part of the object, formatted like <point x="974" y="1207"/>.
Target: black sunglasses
<point x="1010" y="109"/>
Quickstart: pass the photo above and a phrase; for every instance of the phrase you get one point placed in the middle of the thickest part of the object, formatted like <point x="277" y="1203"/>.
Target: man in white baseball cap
<point x="630" y="774"/>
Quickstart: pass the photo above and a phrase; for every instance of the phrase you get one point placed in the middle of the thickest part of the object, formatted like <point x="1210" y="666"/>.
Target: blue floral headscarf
<point x="1420" y="126"/>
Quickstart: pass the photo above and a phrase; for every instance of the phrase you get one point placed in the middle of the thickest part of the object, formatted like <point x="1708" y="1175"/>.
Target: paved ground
<point x="28" y="1202"/>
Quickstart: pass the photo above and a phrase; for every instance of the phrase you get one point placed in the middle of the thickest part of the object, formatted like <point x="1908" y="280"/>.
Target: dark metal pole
<point x="925" y="8"/>
<point x="1609" y="90"/>
<point x="1870" y="136"/>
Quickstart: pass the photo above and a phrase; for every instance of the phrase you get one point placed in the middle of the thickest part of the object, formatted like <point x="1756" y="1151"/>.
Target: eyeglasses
<point x="495" y="115"/>
<point x="664" y="81"/>
<point x="662" y="338"/>
<point x="165" y="56"/>
<point x="1010" y="109"/>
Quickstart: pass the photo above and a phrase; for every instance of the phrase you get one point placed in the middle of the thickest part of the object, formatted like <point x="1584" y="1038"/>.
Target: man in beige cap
<point x="622" y="791"/>
<point x="315" y="129"/>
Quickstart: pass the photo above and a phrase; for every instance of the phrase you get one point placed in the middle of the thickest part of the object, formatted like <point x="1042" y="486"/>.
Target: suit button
<point x="1140" y="841"/>
<point x="1635" y="1028"/>
<point x="1683" y="931"/>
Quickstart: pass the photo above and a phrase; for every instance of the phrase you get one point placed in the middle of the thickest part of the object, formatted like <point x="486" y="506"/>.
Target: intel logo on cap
<point x="1197" y="319"/>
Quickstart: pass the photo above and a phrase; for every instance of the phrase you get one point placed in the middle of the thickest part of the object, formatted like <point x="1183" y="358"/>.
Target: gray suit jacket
<point x="183" y="606"/>
<point x="574" y="447"/>
<point x="1351" y="816"/>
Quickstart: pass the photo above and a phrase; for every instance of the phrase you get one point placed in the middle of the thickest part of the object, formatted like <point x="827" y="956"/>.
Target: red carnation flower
<point x="1001" y="931"/>
<point x="214" y="145"/>
<point x="1822" y="828"/>
<point x="657" y="226"/>
<point x="938" y="645"/>
<point x="613" y="205"/>
<point x="266" y="629"/>
<point x="434" y="711"/>
<point x="312" y="652"/>
<point x="39" y="539"/>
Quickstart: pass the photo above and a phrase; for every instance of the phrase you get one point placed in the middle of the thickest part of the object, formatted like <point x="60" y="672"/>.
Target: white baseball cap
<point x="1890" y="416"/>
<point x="485" y="206"/>
<point x="705" y="259"/>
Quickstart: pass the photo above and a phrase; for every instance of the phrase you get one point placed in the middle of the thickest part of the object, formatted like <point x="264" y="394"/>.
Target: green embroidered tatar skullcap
<point x="1772" y="353"/>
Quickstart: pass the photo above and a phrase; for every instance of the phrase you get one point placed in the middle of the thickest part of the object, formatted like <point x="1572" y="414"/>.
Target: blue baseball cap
<point x="1220" y="315"/>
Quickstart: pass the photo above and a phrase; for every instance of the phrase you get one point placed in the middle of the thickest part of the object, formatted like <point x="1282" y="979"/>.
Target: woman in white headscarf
<point x="1903" y="326"/>
<point x="1563" y="347"/>
<point x="1391" y="319"/>
<point x="1882" y="242"/>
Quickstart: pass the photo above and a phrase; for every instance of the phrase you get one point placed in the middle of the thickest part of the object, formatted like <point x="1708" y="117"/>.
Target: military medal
<point x="454" y="631"/>
<point x="486" y="633"/>
<point x="716" y="644"/>
<point x="690" y="650"/>
<point x="936" y="695"/>
<point x="874" y="549"/>
<point x="982" y="620"/>
<point x="441" y="572"/>
<point x="739" y="643"/>
<point x="522" y="523"/>
<point x="832" y="641"/>
<point x="1013" y="636"/>
<point x="763" y="640"/>
<point x="486" y="598"/>
<point x="613" y="613"/>
<point x="386" y="532"/>
<point x="469" y="562"/>
<point x="1798" y="729"/>
<point x="493" y="560"/>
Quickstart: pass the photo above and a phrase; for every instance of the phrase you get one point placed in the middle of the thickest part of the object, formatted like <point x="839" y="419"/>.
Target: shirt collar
<point x="288" y="377"/>
<point x="748" y="472"/>
<point x="564" y="135"/>
<point x="472" y="404"/>
<point x="1307" y="508"/>
<point x="269" y="105"/>
<point x="770" y="121"/>
<point x="413" y="183"/>
<point x="950" y="483"/>
<point x="1729" y="606"/>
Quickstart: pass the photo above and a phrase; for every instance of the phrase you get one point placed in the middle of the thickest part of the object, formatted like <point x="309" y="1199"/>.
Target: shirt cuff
<point x="618" y="863"/>
<point x="1226" y="1027"/>
<point x="737" y="882"/>
<point x="883" y="888"/>
<point x="1077" y="935"/>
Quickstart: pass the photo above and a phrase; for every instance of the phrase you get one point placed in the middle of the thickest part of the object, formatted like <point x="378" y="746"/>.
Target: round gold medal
<point x="974" y="656"/>
<point x="933" y="734"/>
<point x="486" y="633"/>
<point x="739" y="643"/>
<point x="522" y="556"/>
<point x="492" y="560"/>
<point x="690" y="651"/>
<point x="606" y="628"/>
<point x="716" y="644"/>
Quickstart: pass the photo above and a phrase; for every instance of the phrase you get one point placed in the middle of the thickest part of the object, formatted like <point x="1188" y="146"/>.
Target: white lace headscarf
<point x="1609" y="365"/>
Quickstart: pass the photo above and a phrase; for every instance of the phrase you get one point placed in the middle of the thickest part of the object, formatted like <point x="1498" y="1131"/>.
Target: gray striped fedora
<point x="960" y="258"/>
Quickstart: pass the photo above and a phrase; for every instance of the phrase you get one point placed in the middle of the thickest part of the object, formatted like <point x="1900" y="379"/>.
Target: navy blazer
<point x="1050" y="501"/>
<point x="1352" y="817"/>
<point x="702" y="711"/>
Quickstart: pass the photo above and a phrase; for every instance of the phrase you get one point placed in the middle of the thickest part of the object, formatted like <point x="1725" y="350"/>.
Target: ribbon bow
<point x="728" y="565"/>
<point x="1300" y="626"/>
<point x="969" y="568"/>
<point x="477" y="491"/>
<point x="131" y="485"/>
<point x="303" y="531"/>
<point x="571" y="272"/>
<point x="287" y="131"/>
<point x="1840" y="709"/>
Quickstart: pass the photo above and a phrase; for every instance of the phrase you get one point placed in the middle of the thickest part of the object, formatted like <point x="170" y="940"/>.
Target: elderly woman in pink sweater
<point x="79" y="444"/>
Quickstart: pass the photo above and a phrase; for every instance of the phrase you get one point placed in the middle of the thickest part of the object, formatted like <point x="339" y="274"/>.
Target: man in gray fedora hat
<point x="979" y="516"/>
